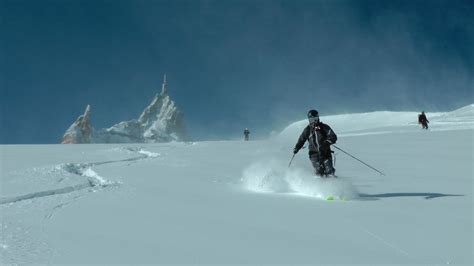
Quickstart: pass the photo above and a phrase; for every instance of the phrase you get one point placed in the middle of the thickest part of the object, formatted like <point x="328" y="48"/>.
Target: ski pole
<point x="358" y="160"/>
<point x="291" y="160"/>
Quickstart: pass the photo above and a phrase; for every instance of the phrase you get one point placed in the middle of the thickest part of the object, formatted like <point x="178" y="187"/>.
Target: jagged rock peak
<point x="80" y="131"/>
<point x="160" y="121"/>
<point x="152" y="110"/>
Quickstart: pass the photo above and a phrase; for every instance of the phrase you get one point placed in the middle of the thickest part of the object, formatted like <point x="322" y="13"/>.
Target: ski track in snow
<point x="19" y="246"/>
<point x="94" y="180"/>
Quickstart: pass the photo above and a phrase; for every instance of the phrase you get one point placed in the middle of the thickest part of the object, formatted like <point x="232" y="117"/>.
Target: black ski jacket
<point x="316" y="135"/>
<point x="422" y="119"/>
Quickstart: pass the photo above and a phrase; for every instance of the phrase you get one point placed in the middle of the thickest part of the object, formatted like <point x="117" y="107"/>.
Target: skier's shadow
<point x="391" y="195"/>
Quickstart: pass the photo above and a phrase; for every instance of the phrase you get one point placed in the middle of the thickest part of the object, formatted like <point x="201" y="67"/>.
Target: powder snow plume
<point x="266" y="176"/>
<point x="272" y="177"/>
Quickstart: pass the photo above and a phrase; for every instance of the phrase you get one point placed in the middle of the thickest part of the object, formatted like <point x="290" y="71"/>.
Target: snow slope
<point x="387" y="122"/>
<point x="233" y="202"/>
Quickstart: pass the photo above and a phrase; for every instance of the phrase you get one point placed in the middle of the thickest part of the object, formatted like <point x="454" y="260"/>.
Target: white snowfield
<point x="235" y="202"/>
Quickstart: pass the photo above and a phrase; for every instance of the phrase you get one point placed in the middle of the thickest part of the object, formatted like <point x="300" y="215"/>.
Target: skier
<point x="320" y="137"/>
<point x="246" y="134"/>
<point x="423" y="120"/>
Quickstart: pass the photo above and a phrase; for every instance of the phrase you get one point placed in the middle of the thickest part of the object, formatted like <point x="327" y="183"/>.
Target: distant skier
<point x="423" y="120"/>
<point x="320" y="137"/>
<point x="246" y="134"/>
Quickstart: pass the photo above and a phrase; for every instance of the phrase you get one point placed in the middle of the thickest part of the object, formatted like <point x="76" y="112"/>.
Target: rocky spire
<point x="80" y="131"/>
<point x="161" y="121"/>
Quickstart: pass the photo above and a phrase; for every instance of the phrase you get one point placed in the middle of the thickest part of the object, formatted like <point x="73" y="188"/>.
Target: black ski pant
<point x="322" y="163"/>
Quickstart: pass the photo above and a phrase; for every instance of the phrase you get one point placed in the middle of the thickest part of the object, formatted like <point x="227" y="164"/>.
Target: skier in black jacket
<point x="320" y="137"/>
<point x="246" y="134"/>
<point x="422" y="120"/>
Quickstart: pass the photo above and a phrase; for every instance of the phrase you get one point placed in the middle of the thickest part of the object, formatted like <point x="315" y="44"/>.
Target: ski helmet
<point x="313" y="116"/>
<point x="313" y="113"/>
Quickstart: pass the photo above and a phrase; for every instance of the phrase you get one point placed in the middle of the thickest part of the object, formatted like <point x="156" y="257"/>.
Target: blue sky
<point x="230" y="64"/>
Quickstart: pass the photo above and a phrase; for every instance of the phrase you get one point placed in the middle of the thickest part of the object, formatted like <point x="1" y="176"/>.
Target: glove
<point x="295" y="150"/>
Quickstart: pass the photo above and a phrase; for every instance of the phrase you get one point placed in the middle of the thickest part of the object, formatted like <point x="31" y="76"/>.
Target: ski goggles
<point x="313" y="119"/>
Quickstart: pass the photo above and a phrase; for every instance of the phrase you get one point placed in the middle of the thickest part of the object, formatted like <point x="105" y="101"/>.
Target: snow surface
<point x="234" y="202"/>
